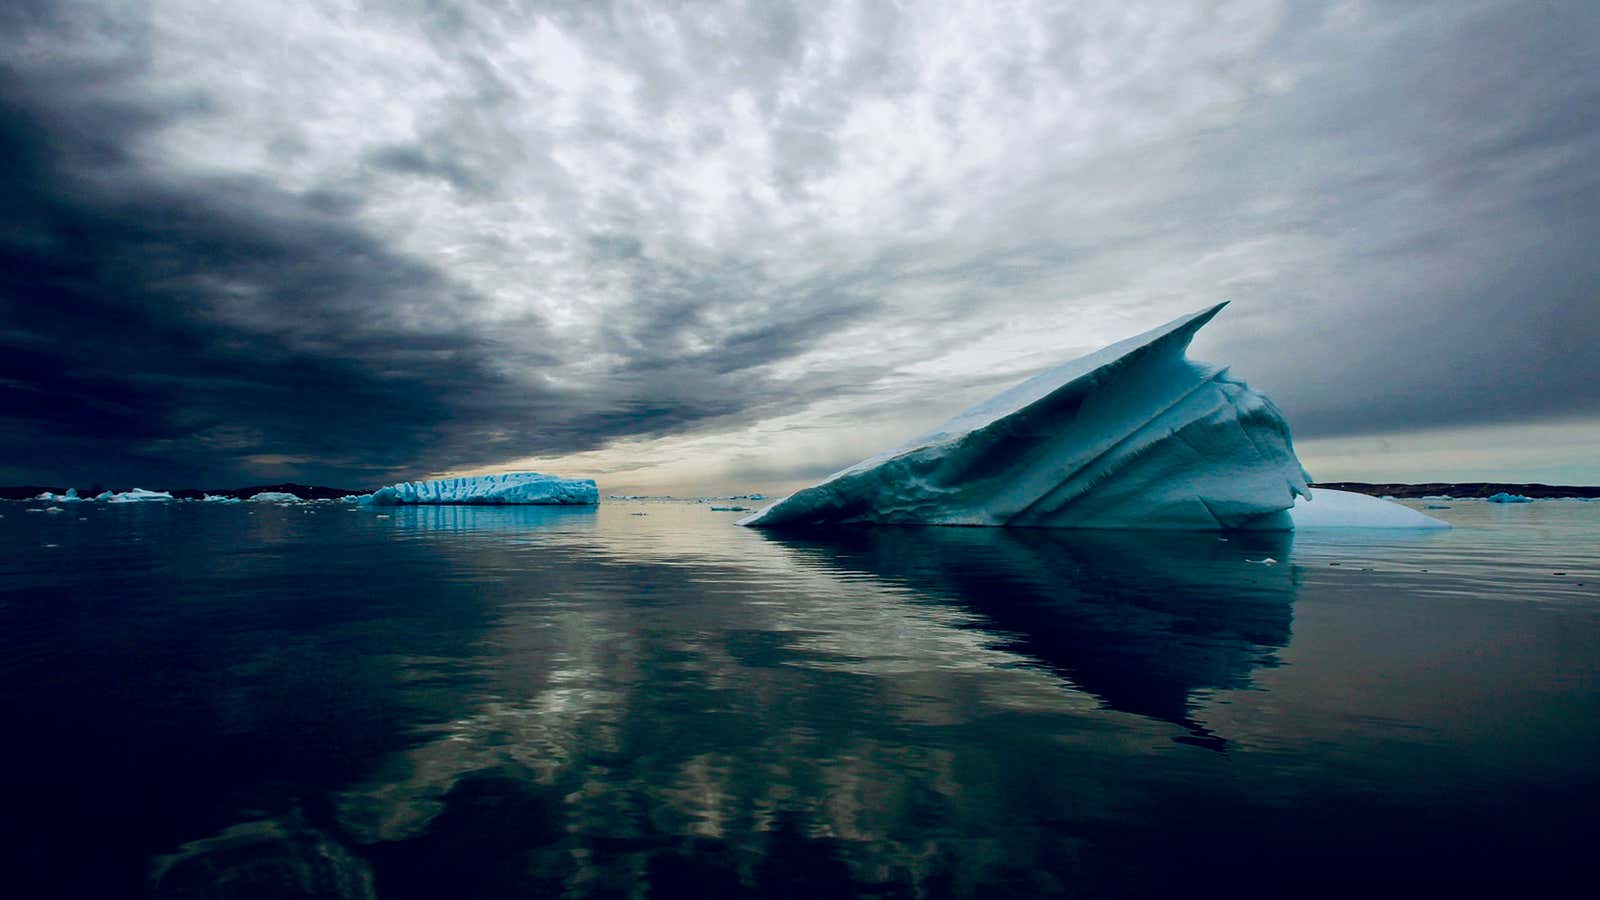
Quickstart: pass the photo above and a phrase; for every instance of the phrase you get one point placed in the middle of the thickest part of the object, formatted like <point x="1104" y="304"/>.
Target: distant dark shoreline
<point x="303" y="491"/>
<point x="1461" y="490"/>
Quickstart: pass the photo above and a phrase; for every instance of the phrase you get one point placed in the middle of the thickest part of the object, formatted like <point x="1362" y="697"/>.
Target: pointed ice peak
<point x="1134" y="435"/>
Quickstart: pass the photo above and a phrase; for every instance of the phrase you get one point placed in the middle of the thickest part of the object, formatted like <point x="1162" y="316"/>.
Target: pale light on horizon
<point x="1553" y="452"/>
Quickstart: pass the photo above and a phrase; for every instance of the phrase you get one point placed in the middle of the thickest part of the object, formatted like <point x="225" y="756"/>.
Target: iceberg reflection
<point x="1140" y="620"/>
<point x="486" y="518"/>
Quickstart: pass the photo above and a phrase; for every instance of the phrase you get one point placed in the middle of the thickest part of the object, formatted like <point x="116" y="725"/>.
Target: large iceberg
<point x="1135" y="435"/>
<point x="511" y="488"/>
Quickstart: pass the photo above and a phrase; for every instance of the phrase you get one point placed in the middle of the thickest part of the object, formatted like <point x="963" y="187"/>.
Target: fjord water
<point x="644" y="700"/>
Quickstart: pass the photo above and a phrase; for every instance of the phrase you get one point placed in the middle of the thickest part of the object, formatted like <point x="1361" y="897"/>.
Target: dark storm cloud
<point x="202" y="330"/>
<point x="143" y="320"/>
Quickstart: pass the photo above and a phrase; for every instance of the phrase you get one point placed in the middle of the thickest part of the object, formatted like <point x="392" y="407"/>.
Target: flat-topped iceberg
<point x="137" y="495"/>
<point x="513" y="488"/>
<point x="1135" y="435"/>
<point x="274" y="497"/>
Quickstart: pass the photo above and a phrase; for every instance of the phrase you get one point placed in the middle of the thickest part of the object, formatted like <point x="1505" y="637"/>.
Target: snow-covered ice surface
<point x="512" y="488"/>
<point x="1343" y="509"/>
<point x="1132" y="436"/>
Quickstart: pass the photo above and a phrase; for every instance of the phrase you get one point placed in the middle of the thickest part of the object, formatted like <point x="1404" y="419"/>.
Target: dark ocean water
<point x="260" y="701"/>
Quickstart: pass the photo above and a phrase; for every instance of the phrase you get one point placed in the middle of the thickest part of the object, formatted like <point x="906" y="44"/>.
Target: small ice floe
<point x="382" y="516"/>
<point x="1437" y="506"/>
<point x="1504" y="497"/>
<point x="51" y="546"/>
<point x="1266" y="561"/>
<point x="52" y="509"/>
<point x="730" y="509"/>
<point x="638" y="514"/>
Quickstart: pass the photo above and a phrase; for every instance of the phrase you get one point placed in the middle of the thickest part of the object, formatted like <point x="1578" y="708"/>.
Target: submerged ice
<point x="512" y="488"/>
<point x="1135" y="435"/>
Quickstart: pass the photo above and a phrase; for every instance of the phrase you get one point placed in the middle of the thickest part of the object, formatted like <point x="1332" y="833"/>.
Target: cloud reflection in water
<point x="757" y="707"/>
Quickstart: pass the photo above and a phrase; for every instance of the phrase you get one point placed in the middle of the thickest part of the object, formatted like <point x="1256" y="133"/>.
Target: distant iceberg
<point x="1504" y="497"/>
<point x="1133" y="436"/>
<point x="137" y="495"/>
<point x="275" y="497"/>
<point x="71" y="496"/>
<point x="529" y="488"/>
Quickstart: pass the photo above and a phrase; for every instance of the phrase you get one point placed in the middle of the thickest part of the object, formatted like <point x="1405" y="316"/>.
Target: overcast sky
<point x="709" y="245"/>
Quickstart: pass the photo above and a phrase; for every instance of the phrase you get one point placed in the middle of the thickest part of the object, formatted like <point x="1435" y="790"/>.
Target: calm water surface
<point x="646" y="701"/>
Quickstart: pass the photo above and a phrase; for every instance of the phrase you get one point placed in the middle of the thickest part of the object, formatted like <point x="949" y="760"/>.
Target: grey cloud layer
<point x="349" y="245"/>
